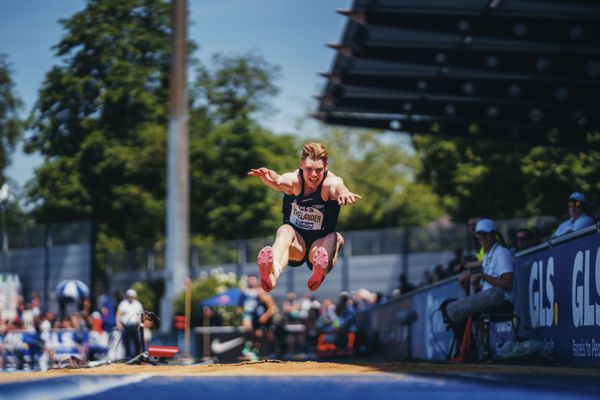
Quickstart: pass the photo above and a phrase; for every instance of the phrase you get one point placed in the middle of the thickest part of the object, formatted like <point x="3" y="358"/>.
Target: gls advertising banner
<point x="429" y="339"/>
<point x="559" y="299"/>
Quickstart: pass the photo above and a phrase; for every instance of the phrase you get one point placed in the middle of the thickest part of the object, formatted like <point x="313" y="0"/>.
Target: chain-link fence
<point x="431" y="238"/>
<point x="31" y="236"/>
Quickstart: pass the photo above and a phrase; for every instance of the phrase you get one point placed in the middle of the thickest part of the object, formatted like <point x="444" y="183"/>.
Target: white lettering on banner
<point x="308" y="218"/>
<point x="585" y="348"/>
<point x="434" y="326"/>
<point x="578" y="349"/>
<point x="585" y="311"/>
<point x="539" y="313"/>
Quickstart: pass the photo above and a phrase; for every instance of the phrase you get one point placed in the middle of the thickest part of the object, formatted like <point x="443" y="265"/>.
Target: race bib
<point x="307" y="218"/>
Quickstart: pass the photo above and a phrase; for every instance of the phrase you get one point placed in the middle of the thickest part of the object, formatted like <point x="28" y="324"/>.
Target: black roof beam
<point x="469" y="130"/>
<point x="389" y="69"/>
<point x="463" y="94"/>
<point x="541" y="63"/>
<point x="549" y="116"/>
<point x="549" y="8"/>
<point x="390" y="37"/>
<point x="566" y="28"/>
<point x="519" y="90"/>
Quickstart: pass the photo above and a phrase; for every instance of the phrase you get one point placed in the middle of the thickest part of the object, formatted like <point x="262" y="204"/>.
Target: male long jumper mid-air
<point x="311" y="205"/>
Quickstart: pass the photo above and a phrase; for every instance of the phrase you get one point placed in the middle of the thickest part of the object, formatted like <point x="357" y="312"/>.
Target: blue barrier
<point x="557" y="301"/>
<point x="427" y="338"/>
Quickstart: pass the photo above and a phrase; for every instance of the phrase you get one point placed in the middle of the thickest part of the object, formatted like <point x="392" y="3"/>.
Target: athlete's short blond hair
<point x="314" y="150"/>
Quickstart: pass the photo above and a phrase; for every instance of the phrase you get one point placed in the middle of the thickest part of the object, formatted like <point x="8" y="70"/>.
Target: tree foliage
<point x="236" y="88"/>
<point x="552" y="174"/>
<point x="382" y="168"/>
<point x="226" y="141"/>
<point x="147" y="295"/>
<point x="503" y="180"/>
<point x="206" y="286"/>
<point x="10" y="123"/>
<point x="100" y="121"/>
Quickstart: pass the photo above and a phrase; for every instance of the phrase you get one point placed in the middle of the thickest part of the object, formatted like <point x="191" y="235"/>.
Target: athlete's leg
<point x="288" y="245"/>
<point x="273" y="260"/>
<point x="323" y="254"/>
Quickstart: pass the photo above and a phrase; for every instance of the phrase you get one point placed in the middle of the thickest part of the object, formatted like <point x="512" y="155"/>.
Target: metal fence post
<point x="47" y="246"/>
<point x="346" y="254"/>
<point x="242" y="257"/>
<point x="194" y="262"/>
<point x="290" y="279"/>
<point x="376" y="244"/>
<point x="4" y="239"/>
<point x="110" y="271"/>
<point x="405" y="250"/>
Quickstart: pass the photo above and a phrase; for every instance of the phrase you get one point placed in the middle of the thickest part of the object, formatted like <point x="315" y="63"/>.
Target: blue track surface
<point x="368" y="387"/>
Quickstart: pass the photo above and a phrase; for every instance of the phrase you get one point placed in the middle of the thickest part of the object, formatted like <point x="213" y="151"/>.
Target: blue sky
<point x="289" y="33"/>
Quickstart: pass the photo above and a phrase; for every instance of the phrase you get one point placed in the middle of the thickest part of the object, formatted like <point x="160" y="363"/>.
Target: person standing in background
<point x="129" y="318"/>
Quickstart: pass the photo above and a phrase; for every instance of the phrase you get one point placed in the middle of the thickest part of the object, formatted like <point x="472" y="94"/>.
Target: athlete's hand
<point x="263" y="172"/>
<point x="348" y="198"/>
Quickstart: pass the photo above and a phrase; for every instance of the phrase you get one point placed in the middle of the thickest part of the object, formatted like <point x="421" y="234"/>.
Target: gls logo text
<point x="543" y="311"/>
<point x="585" y="312"/>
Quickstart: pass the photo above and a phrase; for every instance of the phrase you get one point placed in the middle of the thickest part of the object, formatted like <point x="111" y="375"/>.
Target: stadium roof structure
<point x="525" y="71"/>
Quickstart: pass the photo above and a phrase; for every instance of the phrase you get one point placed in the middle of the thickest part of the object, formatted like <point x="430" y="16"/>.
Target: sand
<point x="305" y="368"/>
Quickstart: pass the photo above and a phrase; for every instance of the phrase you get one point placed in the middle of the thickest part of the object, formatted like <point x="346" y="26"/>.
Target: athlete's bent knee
<point x="285" y="234"/>
<point x="285" y="230"/>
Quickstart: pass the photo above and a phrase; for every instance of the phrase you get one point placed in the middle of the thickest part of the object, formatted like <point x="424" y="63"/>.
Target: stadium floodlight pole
<point x="177" y="219"/>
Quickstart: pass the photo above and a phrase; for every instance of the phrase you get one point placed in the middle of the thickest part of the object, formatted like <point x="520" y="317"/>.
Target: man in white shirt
<point x="129" y="319"/>
<point x="494" y="287"/>
<point x="498" y="264"/>
<point x="578" y="219"/>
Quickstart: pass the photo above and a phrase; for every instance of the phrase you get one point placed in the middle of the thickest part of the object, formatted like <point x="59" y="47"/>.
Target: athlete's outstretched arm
<point x="281" y="183"/>
<point x="340" y="193"/>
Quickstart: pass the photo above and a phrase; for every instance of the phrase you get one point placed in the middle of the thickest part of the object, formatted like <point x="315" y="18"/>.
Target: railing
<point x="431" y="238"/>
<point x="31" y="236"/>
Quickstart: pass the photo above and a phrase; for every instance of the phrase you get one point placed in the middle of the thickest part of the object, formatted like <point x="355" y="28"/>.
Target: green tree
<point x="504" y="180"/>
<point x="382" y="168"/>
<point x="10" y="123"/>
<point x="203" y="288"/>
<point x="552" y="174"/>
<point x="148" y="293"/>
<point x="237" y="88"/>
<point x="100" y="122"/>
<point x="226" y="141"/>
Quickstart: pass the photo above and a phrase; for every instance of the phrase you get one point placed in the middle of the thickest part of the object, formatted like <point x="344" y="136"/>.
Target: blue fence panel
<point x="559" y="299"/>
<point x="431" y="339"/>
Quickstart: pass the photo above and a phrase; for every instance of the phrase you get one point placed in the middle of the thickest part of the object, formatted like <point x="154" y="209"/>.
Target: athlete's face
<point x="313" y="171"/>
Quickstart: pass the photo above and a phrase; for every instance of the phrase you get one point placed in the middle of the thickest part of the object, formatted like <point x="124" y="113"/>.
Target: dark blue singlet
<point x="310" y="216"/>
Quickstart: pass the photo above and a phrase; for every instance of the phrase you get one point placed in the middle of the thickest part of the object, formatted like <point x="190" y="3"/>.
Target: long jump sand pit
<point x="306" y="368"/>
